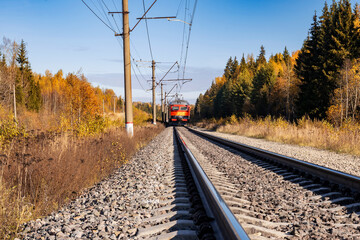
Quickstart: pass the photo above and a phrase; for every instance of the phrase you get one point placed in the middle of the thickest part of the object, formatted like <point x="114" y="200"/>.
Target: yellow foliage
<point x="220" y="81"/>
<point x="307" y="132"/>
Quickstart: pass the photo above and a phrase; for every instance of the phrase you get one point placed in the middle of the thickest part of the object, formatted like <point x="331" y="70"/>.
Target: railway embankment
<point x="41" y="173"/>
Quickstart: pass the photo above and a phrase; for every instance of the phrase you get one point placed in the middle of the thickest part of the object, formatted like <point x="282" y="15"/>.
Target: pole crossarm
<point x="117" y="12"/>
<point x="150" y="18"/>
<point x="143" y="16"/>
<point x="167" y="73"/>
<point x="167" y="94"/>
<point x="175" y="80"/>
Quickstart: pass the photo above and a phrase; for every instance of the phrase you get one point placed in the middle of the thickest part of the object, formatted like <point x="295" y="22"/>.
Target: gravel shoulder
<point x="341" y="162"/>
<point x="116" y="207"/>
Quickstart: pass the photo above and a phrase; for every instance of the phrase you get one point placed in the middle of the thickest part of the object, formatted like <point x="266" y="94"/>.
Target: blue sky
<point x="65" y="35"/>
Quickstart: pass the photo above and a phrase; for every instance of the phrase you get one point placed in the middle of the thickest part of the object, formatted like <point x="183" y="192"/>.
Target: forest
<point x="54" y="101"/>
<point x="320" y="81"/>
<point x="58" y="136"/>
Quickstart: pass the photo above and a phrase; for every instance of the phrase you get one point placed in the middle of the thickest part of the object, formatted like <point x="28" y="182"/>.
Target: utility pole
<point x="162" y="104"/>
<point x="153" y="92"/>
<point x="15" y="117"/>
<point x="103" y="109"/>
<point x="114" y="104"/>
<point x="165" y="109"/>
<point x="129" y="125"/>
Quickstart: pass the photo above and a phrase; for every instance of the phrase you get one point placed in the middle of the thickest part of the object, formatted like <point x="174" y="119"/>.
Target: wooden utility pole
<point x="153" y="92"/>
<point x="162" y="103"/>
<point x="103" y="108"/>
<point x="15" y="117"/>
<point x="114" y="104"/>
<point x="129" y="125"/>
<point x="165" y="109"/>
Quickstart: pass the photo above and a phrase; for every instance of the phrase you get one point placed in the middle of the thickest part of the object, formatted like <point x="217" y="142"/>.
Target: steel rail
<point x="331" y="175"/>
<point x="227" y="224"/>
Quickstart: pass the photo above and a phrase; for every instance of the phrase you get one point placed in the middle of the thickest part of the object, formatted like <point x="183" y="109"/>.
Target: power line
<point x="183" y="37"/>
<point x="187" y="47"/>
<point x="116" y="8"/>
<point x="134" y="68"/>
<point x="111" y="15"/>
<point x="147" y="30"/>
<point x="104" y="12"/>
<point x="177" y="12"/>
<point x="98" y="17"/>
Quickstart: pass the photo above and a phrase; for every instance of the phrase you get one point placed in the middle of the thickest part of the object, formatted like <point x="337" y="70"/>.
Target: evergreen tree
<point x="243" y="64"/>
<point x="286" y="57"/>
<point x="261" y="59"/>
<point x="308" y="69"/>
<point x="263" y="84"/>
<point x="22" y="60"/>
<point x="339" y="41"/>
<point x="227" y="70"/>
<point x="234" y="69"/>
<point x="34" y="96"/>
<point x="27" y="90"/>
<point x="240" y="91"/>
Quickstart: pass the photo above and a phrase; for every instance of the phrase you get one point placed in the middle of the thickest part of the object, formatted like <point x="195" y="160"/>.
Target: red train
<point x="179" y="112"/>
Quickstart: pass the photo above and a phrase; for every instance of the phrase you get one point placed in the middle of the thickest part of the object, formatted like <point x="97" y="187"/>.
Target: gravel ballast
<point x="273" y="200"/>
<point x="122" y="206"/>
<point x="341" y="162"/>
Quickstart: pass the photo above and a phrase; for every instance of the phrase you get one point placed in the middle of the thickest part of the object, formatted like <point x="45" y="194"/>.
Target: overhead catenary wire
<point x="111" y="15"/>
<point x="102" y="13"/>
<point x="132" y="66"/>
<point x="98" y="17"/>
<point x="188" y="41"/>
<point x="147" y="31"/>
<point x="183" y="37"/>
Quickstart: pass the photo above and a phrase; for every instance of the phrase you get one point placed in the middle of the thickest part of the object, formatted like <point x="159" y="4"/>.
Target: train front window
<point x="183" y="108"/>
<point x="175" y="108"/>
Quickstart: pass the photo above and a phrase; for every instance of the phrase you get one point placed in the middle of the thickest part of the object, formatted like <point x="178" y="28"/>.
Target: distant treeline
<point x="72" y="98"/>
<point x="321" y="81"/>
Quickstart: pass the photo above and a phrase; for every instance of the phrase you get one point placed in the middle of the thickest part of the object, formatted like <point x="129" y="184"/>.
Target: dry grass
<point x="40" y="173"/>
<point x="318" y="134"/>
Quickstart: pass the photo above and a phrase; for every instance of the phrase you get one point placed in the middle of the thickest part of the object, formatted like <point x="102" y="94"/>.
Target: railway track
<point x="154" y="196"/>
<point x="191" y="202"/>
<point x="163" y="193"/>
<point x="274" y="196"/>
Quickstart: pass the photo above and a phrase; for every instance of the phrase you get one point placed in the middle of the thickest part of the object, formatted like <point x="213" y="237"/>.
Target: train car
<point x="179" y="112"/>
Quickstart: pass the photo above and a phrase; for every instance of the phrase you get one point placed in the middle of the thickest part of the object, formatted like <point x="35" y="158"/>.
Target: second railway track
<point x="274" y="201"/>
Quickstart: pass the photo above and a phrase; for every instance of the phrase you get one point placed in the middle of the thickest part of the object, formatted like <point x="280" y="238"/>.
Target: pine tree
<point x="34" y="96"/>
<point x="234" y="69"/>
<point x="227" y="70"/>
<point x="263" y="84"/>
<point x="286" y="57"/>
<point x="22" y="60"/>
<point x="243" y="64"/>
<point x="261" y="59"/>
<point x="339" y="42"/>
<point x="308" y="68"/>
<point x="27" y="90"/>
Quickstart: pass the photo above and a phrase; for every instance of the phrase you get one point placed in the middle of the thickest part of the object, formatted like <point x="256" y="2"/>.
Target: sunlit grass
<point x="306" y="132"/>
<point x="47" y="160"/>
